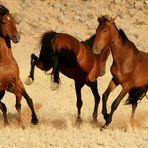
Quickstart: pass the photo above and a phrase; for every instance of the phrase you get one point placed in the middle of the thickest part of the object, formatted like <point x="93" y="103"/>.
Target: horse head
<point x="8" y="25"/>
<point x="103" y="37"/>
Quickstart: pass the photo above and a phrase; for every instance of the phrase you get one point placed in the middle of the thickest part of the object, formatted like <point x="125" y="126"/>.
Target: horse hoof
<point x="34" y="121"/>
<point x="28" y="81"/>
<point x="6" y="124"/>
<point x="95" y="116"/>
<point x="106" y="116"/>
<point x="103" y="127"/>
<point x="54" y="86"/>
<point x="47" y="72"/>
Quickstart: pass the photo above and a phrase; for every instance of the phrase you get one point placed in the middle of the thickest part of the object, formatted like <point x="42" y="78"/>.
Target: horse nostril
<point x="96" y="50"/>
<point x="102" y="72"/>
<point x="16" y="38"/>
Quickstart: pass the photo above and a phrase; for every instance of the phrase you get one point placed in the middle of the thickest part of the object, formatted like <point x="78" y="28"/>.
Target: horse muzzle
<point x="96" y="50"/>
<point x="102" y="73"/>
<point x="15" y="38"/>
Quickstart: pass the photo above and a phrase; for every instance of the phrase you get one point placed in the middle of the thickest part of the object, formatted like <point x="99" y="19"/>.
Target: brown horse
<point x="9" y="71"/>
<point x="74" y="59"/>
<point x="129" y="68"/>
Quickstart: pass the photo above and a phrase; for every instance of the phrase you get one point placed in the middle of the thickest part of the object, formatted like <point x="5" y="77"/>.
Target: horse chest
<point x="8" y="69"/>
<point x="115" y="71"/>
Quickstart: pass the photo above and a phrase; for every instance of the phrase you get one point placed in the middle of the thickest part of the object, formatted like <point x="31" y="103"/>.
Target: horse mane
<point x="3" y="10"/>
<point x="123" y="37"/>
<point x="89" y="42"/>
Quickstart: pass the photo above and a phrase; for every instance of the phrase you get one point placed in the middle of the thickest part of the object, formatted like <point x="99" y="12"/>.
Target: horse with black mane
<point x="9" y="70"/>
<point x="129" y="68"/>
<point x="74" y="59"/>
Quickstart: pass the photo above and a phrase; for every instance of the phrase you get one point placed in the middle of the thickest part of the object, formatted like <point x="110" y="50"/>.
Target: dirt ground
<point x="56" y="110"/>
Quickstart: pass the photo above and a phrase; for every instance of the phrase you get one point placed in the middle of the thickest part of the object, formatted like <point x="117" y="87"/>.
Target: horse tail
<point x="46" y="53"/>
<point x="136" y="94"/>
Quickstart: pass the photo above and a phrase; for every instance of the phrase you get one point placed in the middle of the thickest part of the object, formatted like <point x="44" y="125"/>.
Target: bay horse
<point x="65" y="54"/>
<point x="129" y="68"/>
<point x="9" y="70"/>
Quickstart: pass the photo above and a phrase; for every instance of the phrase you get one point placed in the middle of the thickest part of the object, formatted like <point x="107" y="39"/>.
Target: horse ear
<point x="103" y="18"/>
<point x="3" y="10"/>
<point x="99" y="19"/>
<point x="112" y="20"/>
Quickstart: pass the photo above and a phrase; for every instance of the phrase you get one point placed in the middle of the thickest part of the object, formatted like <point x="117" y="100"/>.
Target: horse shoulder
<point x="85" y="58"/>
<point x="95" y="70"/>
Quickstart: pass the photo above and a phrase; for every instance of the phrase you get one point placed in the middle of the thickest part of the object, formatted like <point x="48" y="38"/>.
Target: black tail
<point x="136" y="94"/>
<point x="46" y="52"/>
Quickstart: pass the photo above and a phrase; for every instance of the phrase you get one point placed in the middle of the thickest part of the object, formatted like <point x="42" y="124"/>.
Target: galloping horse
<point x="129" y="68"/>
<point x="9" y="70"/>
<point x="74" y="59"/>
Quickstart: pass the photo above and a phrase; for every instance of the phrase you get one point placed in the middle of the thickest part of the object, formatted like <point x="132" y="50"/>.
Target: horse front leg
<point x="3" y="108"/>
<point x="78" y="86"/>
<point x="29" y="101"/>
<point x="94" y="89"/>
<point x="115" y="104"/>
<point x="112" y="85"/>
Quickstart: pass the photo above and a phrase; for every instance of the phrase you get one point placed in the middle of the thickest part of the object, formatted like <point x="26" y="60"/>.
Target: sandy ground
<point x="56" y="110"/>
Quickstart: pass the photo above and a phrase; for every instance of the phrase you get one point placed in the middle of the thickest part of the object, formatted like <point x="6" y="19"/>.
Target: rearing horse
<point x="9" y="70"/>
<point x="129" y="68"/>
<point x="74" y="59"/>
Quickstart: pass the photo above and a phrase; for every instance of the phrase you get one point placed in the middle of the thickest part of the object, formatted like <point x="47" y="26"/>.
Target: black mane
<point x="3" y="10"/>
<point x="89" y="42"/>
<point x="123" y="36"/>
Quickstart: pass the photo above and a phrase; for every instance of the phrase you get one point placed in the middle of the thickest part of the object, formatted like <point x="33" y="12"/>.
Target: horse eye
<point x="104" y="30"/>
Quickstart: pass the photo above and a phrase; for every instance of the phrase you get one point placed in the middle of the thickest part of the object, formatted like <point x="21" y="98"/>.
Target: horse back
<point x="65" y="41"/>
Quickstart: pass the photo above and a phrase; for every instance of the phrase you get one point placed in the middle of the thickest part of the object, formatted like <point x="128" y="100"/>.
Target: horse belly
<point x="141" y="78"/>
<point x="73" y="72"/>
<point x="67" y="58"/>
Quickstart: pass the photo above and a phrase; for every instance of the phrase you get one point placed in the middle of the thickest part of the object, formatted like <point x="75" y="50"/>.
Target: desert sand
<point x="57" y="110"/>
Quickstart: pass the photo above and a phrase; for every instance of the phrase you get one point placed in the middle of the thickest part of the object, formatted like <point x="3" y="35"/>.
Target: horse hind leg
<point x="112" y="85"/>
<point x="55" y="78"/>
<point x="35" y="61"/>
<point x="29" y="101"/>
<point x="3" y="108"/>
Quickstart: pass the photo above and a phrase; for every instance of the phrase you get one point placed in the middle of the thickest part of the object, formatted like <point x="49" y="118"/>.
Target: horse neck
<point x="5" y="49"/>
<point x="116" y="45"/>
<point x="102" y="58"/>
